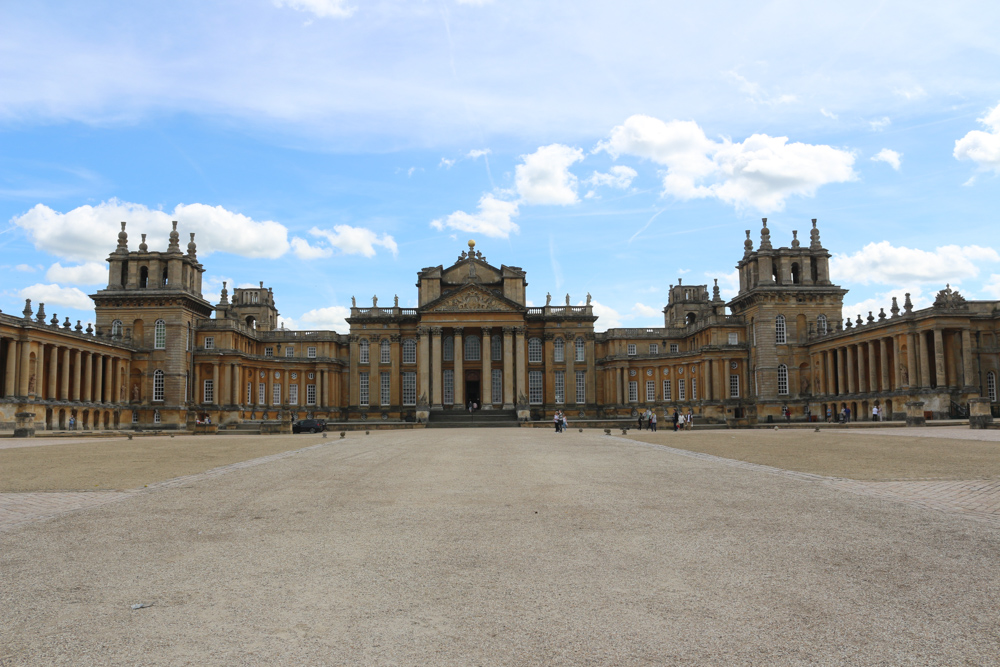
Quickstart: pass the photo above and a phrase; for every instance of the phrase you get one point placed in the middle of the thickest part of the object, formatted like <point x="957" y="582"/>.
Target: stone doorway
<point x="472" y="392"/>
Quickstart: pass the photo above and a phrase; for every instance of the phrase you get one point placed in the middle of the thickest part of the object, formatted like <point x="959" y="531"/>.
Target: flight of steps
<point x="478" y="419"/>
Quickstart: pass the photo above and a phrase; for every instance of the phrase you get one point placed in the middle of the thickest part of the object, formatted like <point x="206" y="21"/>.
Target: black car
<point x="309" y="426"/>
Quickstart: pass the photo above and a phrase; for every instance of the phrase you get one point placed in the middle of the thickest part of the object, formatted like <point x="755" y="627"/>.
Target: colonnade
<point x="711" y="381"/>
<point x="236" y="383"/>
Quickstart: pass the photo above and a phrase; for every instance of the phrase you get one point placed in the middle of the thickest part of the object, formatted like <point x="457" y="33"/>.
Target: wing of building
<point x="161" y="356"/>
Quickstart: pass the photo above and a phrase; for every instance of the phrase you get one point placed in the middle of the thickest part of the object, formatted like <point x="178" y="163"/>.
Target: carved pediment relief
<point x="470" y="271"/>
<point x="472" y="299"/>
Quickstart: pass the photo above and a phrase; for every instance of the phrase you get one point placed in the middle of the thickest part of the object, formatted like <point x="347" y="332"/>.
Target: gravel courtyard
<point x="498" y="547"/>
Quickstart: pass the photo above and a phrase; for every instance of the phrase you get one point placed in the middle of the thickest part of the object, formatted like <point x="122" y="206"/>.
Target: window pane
<point x="581" y="387"/>
<point x="363" y="388"/>
<point x="560" y="380"/>
<point x="293" y="394"/>
<point x="385" y="352"/>
<point x="535" y="387"/>
<point x="496" y="351"/>
<point x="497" y="385"/>
<point x="409" y="351"/>
<point x="385" y="393"/>
<point x="580" y="350"/>
<point x="472" y="349"/>
<point x="535" y="350"/>
<point x="559" y="350"/>
<point x="448" y="386"/>
<point x="633" y="391"/>
<point x="409" y="388"/>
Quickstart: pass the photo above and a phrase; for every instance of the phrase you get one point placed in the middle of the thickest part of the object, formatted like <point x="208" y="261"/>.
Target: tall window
<point x="473" y="352"/>
<point x="654" y="348"/>
<point x="666" y="390"/>
<point x="289" y="351"/>
<point x="363" y="352"/>
<point x="821" y="325"/>
<point x="779" y="330"/>
<point x="734" y="386"/>
<point x="991" y="386"/>
<point x="496" y="348"/>
<point x="558" y="350"/>
<point x="448" y="386"/>
<point x="496" y="384"/>
<point x="535" y="387"/>
<point x="633" y="391"/>
<point x="782" y="379"/>
<point x="384" y="388"/>
<point x="158" y="385"/>
<point x="363" y="388"/>
<point x="209" y="342"/>
<point x="311" y="352"/>
<point x="409" y="388"/>
<point x="650" y="391"/>
<point x="448" y="348"/>
<point x="631" y="349"/>
<point x="410" y="352"/>
<point x="209" y="391"/>
<point x="535" y="350"/>
<point x="694" y="389"/>
<point x="293" y="394"/>
<point x="116" y="328"/>
<point x="560" y="381"/>
<point x="581" y="387"/>
<point x="385" y="352"/>
<point x="310" y="394"/>
<point x="261" y="394"/>
<point x="581" y="352"/>
<point x="160" y="335"/>
<point x="276" y="395"/>
<point x="681" y="391"/>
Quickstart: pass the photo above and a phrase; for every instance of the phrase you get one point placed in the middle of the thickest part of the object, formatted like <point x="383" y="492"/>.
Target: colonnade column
<point x="24" y="383"/>
<point x="851" y="367"/>
<point x="897" y="367"/>
<point x="53" y="372"/>
<point x="424" y="357"/>
<point x="436" y="372"/>
<point x="486" y="385"/>
<point x="109" y="379"/>
<point x="215" y="383"/>
<point x="831" y="377"/>
<point x="968" y="378"/>
<point x="873" y="369"/>
<point x="459" y="372"/>
<point x="520" y="359"/>
<point x="884" y="365"/>
<point x="64" y="375"/>
<point x="862" y="380"/>
<point x="911" y="361"/>
<point x="77" y="372"/>
<point x="925" y="361"/>
<point x="508" y="368"/>
<point x="10" y="373"/>
<point x="98" y="362"/>
<point x="942" y="379"/>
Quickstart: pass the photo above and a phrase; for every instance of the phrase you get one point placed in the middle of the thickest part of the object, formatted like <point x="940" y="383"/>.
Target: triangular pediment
<point x="471" y="270"/>
<point x="472" y="298"/>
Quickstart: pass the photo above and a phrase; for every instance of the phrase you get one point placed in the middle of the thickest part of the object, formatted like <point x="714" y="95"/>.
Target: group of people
<point x="681" y="420"/>
<point x="560" y="421"/>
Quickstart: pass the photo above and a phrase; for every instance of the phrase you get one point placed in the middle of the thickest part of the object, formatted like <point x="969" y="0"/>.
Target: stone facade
<point x="162" y="356"/>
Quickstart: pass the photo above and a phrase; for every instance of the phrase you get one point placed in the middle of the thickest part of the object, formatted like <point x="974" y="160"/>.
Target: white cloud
<point x="885" y="263"/>
<point x="24" y="268"/>
<point x="54" y="295"/>
<point x="992" y="287"/>
<point x="338" y="9"/>
<point x="914" y="93"/>
<point x="880" y="124"/>
<point x="494" y="219"/>
<point x="643" y="310"/>
<point x="544" y="176"/>
<point x="446" y="163"/>
<point x="303" y="250"/>
<point x="91" y="273"/>
<point x="90" y="233"/>
<point x="331" y="317"/>
<point x="356" y="240"/>
<point x="828" y="114"/>
<point x="981" y="147"/>
<point x="608" y="317"/>
<point x="762" y="171"/>
<point x="889" y="156"/>
<point x="729" y="284"/>
<point x="883" y="300"/>
<point x="756" y="93"/>
<point x="619" y="176"/>
<point x="478" y="152"/>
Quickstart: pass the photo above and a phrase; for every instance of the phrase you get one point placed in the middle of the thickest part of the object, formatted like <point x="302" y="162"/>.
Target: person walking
<point x="563" y="422"/>
<point x="557" y="421"/>
<point x="875" y="413"/>
<point x="640" y="421"/>
<point x="829" y="414"/>
<point x="675" y="421"/>
<point x="652" y="422"/>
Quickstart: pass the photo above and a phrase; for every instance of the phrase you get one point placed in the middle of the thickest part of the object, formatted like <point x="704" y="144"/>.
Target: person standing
<point x="563" y="422"/>
<point x="640" y="421"/>
<point x="875" y="413"/>
<point x="675" y="420"/>
<point x="557" y="421"/>
<point x="652" y="421"/>
<point x="829" y="414"/>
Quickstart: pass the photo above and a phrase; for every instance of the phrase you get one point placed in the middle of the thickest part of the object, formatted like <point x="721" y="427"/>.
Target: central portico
<point x="472" y="338"/>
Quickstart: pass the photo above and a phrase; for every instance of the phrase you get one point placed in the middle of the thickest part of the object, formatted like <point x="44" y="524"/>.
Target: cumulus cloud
<point x="494" y="218"/>
<point x="89" y="233"/>
<point x="883" y="300"/>
<point x="478" y="152"/>
<point x="643" y="310"/>
<point x="338" y="9"/>
<point x="355" y="240"/>
<point x="619" y="177"/>
<point x="983" y="148"/>
<point x="889" y="156"/>
<point x="992" y="286"/>
<point x="761" y="172"/>
<point x="880" y="124"/>
<point x="54" y="295"/>
<point x="885" y="263"/>
<point x="91" y="273"/>
<point x="446" y="163"/>
<point x="608" y="317"/>
<point x="24" y="268"/>
<point x="331" y="317"/>
<point x="303" y="250"/>
<point x="544" y="177"/>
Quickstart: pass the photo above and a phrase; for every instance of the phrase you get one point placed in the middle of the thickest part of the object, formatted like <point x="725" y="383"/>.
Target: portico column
<point x="77" y="371"/>
<point x="884" y="363"/>
<point x="98" y="378"/>
<point x="859" y="350"/>
<point x="109" y="379"/>
<point x="25" y="380"/>
<point x="911" y="360"/>
<point x="508" y="368"/>
<point x="53" y="373"/>
<point x="459" y="372"/>
<point x="215" y="383"/>
<point x="897" y="365"/>
<point x="10" y="373"/>
<point x="591" y="377"/>
<point x="968" y="379"/>
<point x="851" y="367"/>
<point x="939" y="371"/>
<point x="437" y="378"/>
<point x="424" y="371"/>
<point x="486" y="386"/>
<point x="520" y="359"/>
<point x="873" y="371"/>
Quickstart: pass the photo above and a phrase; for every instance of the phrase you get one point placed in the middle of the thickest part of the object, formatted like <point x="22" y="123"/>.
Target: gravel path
<point x="504" y="547"/>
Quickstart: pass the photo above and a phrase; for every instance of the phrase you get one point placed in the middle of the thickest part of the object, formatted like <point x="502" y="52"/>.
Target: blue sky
<point x="333" y="148"/>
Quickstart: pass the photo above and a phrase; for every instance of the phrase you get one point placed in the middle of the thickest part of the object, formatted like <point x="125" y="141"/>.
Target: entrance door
<point x="472" y="388"/>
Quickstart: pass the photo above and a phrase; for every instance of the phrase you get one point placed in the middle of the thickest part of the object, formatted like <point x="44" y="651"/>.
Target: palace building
<point x="161" y="356"/>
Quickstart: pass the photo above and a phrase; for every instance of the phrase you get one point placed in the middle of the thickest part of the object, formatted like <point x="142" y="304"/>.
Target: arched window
<point x="779" y="330"/>
<point x="558" y="350"/>
<point x="581" y="353"/>
<point x="991" y="386"/>
<point x="496" y="351"/>
<point x="782" y="380"/>
<point x="116" y="328"/>
<point x="363" y="352"/>
<point x="409" y="351"/>
<point x="158" y="385"/>
<point x="385" y="352"/>
<point x="821" y="325"/>
<point x="473" y="352"/>
<point x="535" y="350"/>
<point x="691" y="318"/>
<point x="448" y="348"/>
<point x="160" y="335"/>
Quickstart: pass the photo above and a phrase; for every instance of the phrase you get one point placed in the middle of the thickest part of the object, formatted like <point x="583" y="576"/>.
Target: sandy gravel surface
<point x="503" y="547"/>
<point x="871" y="454"/>
<point x="85" y="464"/>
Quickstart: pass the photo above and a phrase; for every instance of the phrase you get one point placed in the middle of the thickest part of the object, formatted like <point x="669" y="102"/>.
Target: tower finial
<point x="174" y="245"/>
<point x="192" y="248"/>
<point x="765" y="236"/>
<point x="747" y="245"/>
<point x="122" y="240"/>
<point x="814" y="243"/>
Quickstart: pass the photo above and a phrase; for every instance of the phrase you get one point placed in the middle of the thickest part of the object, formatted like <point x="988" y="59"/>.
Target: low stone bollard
<point x="979" y="413"/>
<point x="24" y="425"/>
<point x="607" y="431"/>
<point x="915" y="414"/>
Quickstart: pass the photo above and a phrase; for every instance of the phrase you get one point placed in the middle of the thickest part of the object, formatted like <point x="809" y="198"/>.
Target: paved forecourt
<point x="514" y="546"/>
